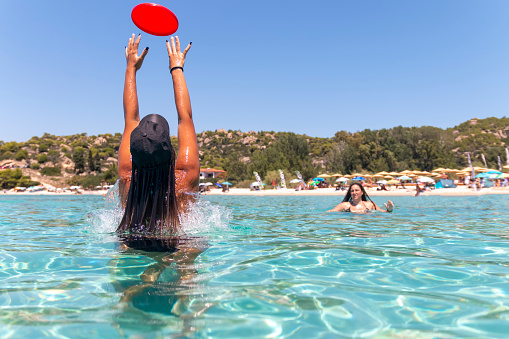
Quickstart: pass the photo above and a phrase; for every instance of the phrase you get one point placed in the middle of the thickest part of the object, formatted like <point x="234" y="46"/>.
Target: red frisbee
<point x="155" y="19"/>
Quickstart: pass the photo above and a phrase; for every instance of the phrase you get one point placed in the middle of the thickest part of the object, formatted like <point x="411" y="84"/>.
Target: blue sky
<point x="308" y="67"/>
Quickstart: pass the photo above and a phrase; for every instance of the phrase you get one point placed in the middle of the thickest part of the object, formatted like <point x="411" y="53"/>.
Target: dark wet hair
<point x="151" y="207"/>
<point x="365" y="196"/>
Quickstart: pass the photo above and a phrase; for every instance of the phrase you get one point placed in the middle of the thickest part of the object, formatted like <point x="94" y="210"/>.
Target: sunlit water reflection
<point x="270" y="267"/>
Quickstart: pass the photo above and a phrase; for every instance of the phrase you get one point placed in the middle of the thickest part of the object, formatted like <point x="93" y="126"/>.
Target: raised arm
<point x="131" y="109"/>
<point x="188" y="160"/>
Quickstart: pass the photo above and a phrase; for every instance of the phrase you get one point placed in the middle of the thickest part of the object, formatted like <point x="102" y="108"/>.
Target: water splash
<point x="202" y="217"/>
<point x="106" y="219"/>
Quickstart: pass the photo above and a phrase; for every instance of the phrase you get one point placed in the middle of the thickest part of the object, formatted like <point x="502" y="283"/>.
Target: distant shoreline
<point x="459" y="191"/>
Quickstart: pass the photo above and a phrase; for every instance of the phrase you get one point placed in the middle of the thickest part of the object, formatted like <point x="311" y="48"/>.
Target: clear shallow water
<point x="273" y="267"/>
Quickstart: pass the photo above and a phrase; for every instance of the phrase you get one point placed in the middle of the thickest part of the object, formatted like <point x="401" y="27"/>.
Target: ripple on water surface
<point x="271" y="267"/>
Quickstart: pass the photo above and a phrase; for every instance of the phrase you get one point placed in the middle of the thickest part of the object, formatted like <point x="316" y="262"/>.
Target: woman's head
<point x="151" y="206"/>
<point x="355" y="192"/>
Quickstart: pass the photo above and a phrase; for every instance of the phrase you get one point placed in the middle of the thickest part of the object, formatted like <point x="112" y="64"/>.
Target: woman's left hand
<point x="177" y="58"/>
<point x="389" y="206"/>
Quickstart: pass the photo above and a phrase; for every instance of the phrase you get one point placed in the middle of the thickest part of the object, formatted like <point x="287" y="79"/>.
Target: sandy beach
<point x="102" y="192"/>
<point x="459" y="191"/>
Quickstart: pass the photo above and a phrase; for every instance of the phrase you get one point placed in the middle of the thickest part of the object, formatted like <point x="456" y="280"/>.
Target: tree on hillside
<point x="236" y="169"/>
<point x="78" y="156"/>
<point x="290" y="153"/>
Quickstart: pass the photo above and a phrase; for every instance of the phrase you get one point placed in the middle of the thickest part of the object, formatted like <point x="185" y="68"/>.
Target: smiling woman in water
<point x="357" y="201"/>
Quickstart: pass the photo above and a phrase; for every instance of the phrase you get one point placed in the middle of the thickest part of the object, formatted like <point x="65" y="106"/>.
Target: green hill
<point x="90" y="160"/>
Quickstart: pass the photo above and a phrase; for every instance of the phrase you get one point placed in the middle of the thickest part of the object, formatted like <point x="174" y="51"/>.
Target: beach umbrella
<point x="440" y="169"/>
<point x="357" y="175"/>
<point x="392" y="182"/>
<point x="227" y="183"/>
<point x="200" y="184"/>
<point x="336" y="175"/>
<point x="218" y="184"/>
<point x="502" y="176"/>
<point x="381" y="174"/>
<point x="324" y="176"/>
<point x="209" y="184"/>
<point x="342" y="179"/>
<point x="294" y="181"/>
<point x="394" y="173"/>
<point x="388" y="177"/>
<point x="358" y="178"/>
<point x="382" y="182"/>
<point x="318" y="179"/>
<point x="425" y="179"/>
<point x="482" y="175"/>
<point x="450" y="170"/>
<point x="404" y="177"/>
<point x="494" y="172"/>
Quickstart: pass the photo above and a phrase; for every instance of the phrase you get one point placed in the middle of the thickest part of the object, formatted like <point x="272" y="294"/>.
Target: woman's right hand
<point x="177" y="58"/>
<point x="131" y="53"/>
<point x="389" y="206"/>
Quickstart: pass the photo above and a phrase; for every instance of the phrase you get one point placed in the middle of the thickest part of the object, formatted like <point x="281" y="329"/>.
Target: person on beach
<point x="357" y="201"/>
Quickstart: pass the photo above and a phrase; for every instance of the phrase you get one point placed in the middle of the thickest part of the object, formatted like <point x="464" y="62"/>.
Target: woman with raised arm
<point x="357" y="201"/>
<point x="154" y="185"/>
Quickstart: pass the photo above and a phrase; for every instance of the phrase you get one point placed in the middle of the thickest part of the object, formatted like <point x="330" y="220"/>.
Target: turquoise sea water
<point x="270" y="267"/>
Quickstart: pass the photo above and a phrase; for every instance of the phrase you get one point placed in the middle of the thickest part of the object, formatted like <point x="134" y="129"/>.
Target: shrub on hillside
<point x="54" y="156"/>
<point x="43" y="148"/>
<point x="35" y="166"/>
<point x="6" y="155"/>
<point x="13" y="178"/>
<point x="52" y="171"/>
<point x="21" y="154"/>
<point x="42" y="158"/>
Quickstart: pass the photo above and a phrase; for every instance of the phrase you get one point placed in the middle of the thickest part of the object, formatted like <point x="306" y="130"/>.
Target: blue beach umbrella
<point x="358" y="179"/>
<point x="482" y="175"/>
<point x="318" y="179"/>
<point x="226" y="183"/>
<point x="218" y="184"/>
